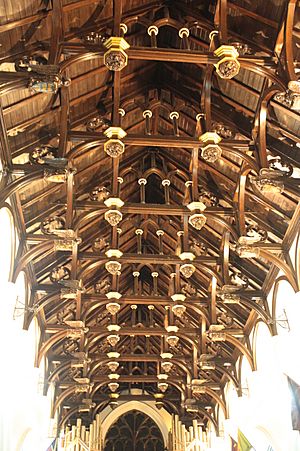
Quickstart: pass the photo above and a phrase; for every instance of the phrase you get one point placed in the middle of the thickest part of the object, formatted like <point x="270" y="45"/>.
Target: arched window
<point x="134" y="431"/>
<point x="262" y="346"/>
<point x="231" y="398"/>
<point x="245" y="372"/>
<point x="7" y="243"/>
<point x="22" y="295"/>
<point x="282" y="299"/>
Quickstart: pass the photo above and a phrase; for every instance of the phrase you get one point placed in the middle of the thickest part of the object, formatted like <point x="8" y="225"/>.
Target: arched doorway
<point x="134" y="431"/>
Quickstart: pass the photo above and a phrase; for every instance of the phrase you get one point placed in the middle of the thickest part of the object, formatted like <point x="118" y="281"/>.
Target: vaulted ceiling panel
<point x="159" y="107"/>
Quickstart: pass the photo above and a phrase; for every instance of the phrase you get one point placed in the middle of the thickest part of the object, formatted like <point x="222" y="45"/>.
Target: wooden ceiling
<point x="169" y="70"/>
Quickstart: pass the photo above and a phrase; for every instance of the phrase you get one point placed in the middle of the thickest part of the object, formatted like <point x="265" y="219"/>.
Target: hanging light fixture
<point x="187" y="270"/>
<point x="113" y="366"/>
<point x="113" y="216"/>
<point x="113" y="386"/>
<point x="113" y="338"/>
<point x="197" y="220"/>
<point x="114" y="399"/>
<point x="113" y="355"/>
<point x="162" y="384"/>
<point x="228" y="65"/>
<point x="113" y="307"/>
<point x="172" y="339"/>
<point x="166" y="366"/>
<point x="113" y="267"/>
<point x="113" y="376"/>
<point x="179" y="310"/>
<point x="158" y="400"/>
<point x="211" y="152"/>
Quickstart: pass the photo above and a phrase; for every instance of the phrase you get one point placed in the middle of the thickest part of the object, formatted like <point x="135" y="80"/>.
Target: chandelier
<point x="113" y="267"/>
<point x="114" y="400"/>
<point x="228" y="65"/>
<point x="113" y="217"/>
<point x="113" y="386"/>
<point x="197" y="220"/>
<point x="211" y="152"/>
<point x="115" y="58"/>
<point x="113" y="366"/>
<point x="113" y="355"/>
<point x="113" y="308"/>
<point x="114" y="147"/>
<point x="187" y="270"/>
<point x="166" y="366"/>
<point x="172" y="339"/>
<point x="179" y="310"/>
<point x="162" y="385"/>
<point x="113" y="338"/>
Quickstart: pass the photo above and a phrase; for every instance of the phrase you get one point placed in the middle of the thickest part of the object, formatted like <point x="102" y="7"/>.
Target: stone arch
<point x="143" y="407"/>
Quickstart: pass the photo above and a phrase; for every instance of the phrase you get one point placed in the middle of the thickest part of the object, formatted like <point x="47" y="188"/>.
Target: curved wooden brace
<point x="260" y="311"/>
<point x="274" y="301"/>
<point x="184" y="175"/>
<point x="47" y="345"/>
<point x="229" y="375"/>
<point x="242" y="348"/>
<point x="225" y="257"/>
<point x="227" y="226"/>
<point x="221" y="21"/>
<point x="66" y="417"/>
<point x="241" y="188"/>
<point x="143" y="265"/>
<point x="297" y="259"/>
<point x="81" y="58"/>
<point x="13" y="86"/>
<point x="84" y="272"/>
<point x="288" y="40"/>
<point x="87" y="217"/>
<point x="260" y="122"/>
<point x="262" y="71"/>
<point x="74" y="152"/>
<point x="246" y="158"/>
<point x="210" y="418"/>
<point x="156" y="171"/>
<point x="29" y="256"/>
<point x="57" y="371"/>
<point x="18" y="184"/>
<point x="47" y="300"/>
<point x="218" y="400"/>
<point x="60" y="399"/>
<point x="289" y="272"/>
<point x="129" y="170"/>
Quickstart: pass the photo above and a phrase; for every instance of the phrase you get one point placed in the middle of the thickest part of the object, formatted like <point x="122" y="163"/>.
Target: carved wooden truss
<point x="149" y="154"/>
